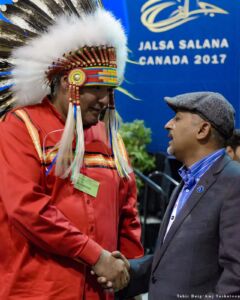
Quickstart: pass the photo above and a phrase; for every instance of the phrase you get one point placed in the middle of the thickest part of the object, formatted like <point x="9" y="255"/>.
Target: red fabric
<point x="45" y="222"/>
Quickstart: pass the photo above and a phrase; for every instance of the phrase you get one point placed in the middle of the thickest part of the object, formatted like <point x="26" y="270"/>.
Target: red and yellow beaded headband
<point x="89" y="66"/>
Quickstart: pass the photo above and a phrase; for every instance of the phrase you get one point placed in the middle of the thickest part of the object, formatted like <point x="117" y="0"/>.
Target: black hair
<point x="219" y="138"/>
<point x="234" y="140"/>
<point x="55" y="84"/>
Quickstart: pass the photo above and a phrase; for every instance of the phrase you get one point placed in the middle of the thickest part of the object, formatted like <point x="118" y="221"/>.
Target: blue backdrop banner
<point x="179" y="46"/>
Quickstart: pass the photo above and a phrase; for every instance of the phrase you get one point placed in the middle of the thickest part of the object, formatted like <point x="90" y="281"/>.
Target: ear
<point x="230" y="151"/>
<point x="64" y="82"/>
<point x="204" y="130"/>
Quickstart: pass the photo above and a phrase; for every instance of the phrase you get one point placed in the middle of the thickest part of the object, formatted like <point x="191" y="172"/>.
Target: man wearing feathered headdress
<point x="68" y="194"/>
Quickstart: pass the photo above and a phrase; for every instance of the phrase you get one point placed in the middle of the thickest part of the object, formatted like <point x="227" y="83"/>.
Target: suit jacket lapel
<point x="201" y="188"/>
<point x="167" y="214"/>
<point x="165" y="221"/>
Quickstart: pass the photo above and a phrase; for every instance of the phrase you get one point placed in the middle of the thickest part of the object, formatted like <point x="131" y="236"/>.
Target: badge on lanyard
<point x="87" y="185"/>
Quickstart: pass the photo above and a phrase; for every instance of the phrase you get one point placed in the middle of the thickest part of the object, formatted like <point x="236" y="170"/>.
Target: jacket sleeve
<point x="228" y="285"/>
<point x="129" y="226"/>
<point x="229" y="247"/>
<point x="28" y="207"/>
<point x="140" y="271"/>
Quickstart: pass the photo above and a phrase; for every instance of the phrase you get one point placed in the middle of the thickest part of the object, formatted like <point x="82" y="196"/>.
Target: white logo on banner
<point x="178" y="12"/>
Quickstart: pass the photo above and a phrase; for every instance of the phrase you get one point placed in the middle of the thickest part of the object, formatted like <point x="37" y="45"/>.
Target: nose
<point x="103" y="98"/>
<point x="169" y="125"/>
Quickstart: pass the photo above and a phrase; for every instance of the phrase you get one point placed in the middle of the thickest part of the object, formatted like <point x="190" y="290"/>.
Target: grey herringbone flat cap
<point x="212" y="107"/>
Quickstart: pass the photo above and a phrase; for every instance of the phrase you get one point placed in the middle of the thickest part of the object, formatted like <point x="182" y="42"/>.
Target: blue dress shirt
<point x="191" y="176"/>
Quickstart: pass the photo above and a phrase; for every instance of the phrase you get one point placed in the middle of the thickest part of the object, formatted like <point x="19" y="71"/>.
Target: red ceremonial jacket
<point x="46" y="223"/>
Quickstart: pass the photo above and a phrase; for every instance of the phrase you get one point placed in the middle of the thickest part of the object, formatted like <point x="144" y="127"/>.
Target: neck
<point x="58" y="103"/>
<point x="198" y="155"/>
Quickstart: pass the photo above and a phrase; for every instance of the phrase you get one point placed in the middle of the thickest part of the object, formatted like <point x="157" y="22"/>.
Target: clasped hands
<point x="112" y="270"/>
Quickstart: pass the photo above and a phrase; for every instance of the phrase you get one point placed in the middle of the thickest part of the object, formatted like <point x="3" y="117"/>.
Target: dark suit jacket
<point x="201" y="252"/>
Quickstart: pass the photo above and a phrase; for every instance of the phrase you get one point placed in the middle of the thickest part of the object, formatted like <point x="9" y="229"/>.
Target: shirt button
<point x="88" y="201"/>
<point x="91" y="228"/>
<point x="187" y="190"/>
<point x="154" y="279"/>
<point x="172" y="217"/>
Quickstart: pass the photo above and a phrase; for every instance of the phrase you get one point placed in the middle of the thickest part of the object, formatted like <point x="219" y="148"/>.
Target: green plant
<point x="136" y="138"/>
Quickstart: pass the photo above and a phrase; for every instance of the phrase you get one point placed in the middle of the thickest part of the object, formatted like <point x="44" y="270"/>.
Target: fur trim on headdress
<point x="68" y="34"/>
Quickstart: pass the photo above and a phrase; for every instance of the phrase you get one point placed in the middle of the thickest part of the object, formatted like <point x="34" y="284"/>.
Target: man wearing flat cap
<point x="197" y="254"/>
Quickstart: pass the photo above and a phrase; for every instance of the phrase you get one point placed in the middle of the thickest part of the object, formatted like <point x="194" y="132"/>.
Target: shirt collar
<point x="192" y="174"/>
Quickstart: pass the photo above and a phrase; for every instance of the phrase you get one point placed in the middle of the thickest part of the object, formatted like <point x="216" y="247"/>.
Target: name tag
<point x="87" y="185"/>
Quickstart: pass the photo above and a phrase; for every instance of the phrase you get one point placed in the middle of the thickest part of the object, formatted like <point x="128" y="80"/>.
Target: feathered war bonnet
<point x="91" y="50"/>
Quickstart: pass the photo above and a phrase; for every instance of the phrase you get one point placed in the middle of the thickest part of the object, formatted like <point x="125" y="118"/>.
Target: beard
<point x="169" y="150"/>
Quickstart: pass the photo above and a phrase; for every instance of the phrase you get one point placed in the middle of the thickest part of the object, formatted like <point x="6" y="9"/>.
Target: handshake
<point x="112" y="270"/>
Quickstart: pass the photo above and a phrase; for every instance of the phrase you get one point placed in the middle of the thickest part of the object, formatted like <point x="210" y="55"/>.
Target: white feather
<point x="65" y="155"/>
<point x="80" y="148"/>
<point x="68" y="34"/>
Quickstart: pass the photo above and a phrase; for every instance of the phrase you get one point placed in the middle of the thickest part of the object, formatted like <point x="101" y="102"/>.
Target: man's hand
<point x="112" y="270"/>
<point x="118" y="254"/>
<point x="109" y="284"/>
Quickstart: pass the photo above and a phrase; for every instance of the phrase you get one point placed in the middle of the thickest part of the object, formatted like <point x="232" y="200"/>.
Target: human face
<point x="182" y="132"/>
<point x="234" y="154"/>
<point x="93" y="100"/>
<point x="237" y="154"/>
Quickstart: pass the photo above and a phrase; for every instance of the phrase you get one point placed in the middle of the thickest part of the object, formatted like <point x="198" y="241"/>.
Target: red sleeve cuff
<point x="91" y="252"/>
